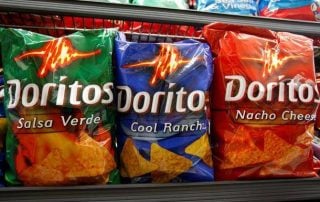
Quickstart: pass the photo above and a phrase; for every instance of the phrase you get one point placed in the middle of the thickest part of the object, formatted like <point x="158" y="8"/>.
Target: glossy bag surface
<point x="59" y="103"/>
<point x="263" y="102"/>
<point x="162" y="91"/>
<point x="247" y="7"/>
<point x="291" y="9"/>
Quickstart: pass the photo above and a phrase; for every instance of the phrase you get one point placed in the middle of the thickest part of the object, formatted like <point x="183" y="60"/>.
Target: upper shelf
<point x="152" y="14"/>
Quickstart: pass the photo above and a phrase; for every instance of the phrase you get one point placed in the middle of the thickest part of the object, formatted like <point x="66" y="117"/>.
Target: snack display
<point x="163" y="132"/>
<point x="59" y="104"/>
<point x="291" y="9"/>
<point x="247" y="7"/>
<point x="263" y="102"/>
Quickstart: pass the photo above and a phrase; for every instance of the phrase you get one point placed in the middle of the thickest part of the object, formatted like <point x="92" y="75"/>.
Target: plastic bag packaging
<point x="263" y="103"/>
<point x="176" y="4"/>
<point x="163" y="126"/>
<point x="59" y="102"/>
<point x="291" y="9"/>
<point x="248" y="7"/>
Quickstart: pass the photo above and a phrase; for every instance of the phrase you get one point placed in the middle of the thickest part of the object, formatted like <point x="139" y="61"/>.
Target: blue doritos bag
<point x="163" y="126"/>
<point x="291" y="9"/>
<point x="238" y="7"/>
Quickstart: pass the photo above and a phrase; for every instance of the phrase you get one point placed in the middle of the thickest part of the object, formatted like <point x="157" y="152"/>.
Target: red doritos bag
<point x="263" y="102"/>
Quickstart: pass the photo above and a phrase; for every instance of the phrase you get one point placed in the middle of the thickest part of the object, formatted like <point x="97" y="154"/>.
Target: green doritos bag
<point x="59" y="101"/>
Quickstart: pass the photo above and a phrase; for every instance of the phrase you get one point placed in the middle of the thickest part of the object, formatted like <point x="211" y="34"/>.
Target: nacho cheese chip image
<point x="242" y="151"/>
<point x="201" y="148"/>
<point x="133" y="164"/>
<point x="283" y="153"/>
<point x="170" y="165"/>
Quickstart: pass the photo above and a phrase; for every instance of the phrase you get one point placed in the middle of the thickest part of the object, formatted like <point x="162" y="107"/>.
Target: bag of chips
<point x="291" y="9"/>
<point x="161" y="100"/>
<point x="248" y="7"/>
<point x="59" y="103"/>
<point x="263" y="102"/>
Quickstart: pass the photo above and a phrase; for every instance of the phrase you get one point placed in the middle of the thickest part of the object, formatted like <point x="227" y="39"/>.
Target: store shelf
<point x="272" y="190"/>
<point x="150" y="14"/>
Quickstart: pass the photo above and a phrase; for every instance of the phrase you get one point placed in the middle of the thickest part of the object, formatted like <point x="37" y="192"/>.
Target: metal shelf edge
<point x="267" y="190"/>
<point x="150" y="14"/>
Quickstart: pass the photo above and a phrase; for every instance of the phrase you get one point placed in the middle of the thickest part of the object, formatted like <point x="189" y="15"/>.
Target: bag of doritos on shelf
<point x="264" y="99"/>
<point x="291" y="9"/>
<point x="59" y="103"/>
<point x="163" y="127"/>
<point x="247" y="7"/>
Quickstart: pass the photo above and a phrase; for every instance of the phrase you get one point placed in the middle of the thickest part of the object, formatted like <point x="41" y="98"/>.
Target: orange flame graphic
<point x="167" y="62"/>
<point x="55" y="54"/>
<point x="271" y="60"/>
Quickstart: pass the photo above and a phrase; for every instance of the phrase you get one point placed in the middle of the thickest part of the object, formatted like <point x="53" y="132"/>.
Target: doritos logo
<point x="237" y="88"/>
<point x="168" y="101"/>
<point x="168" y="61"/>
<point x="293" y="90"/>
<point x="57" y="53"/>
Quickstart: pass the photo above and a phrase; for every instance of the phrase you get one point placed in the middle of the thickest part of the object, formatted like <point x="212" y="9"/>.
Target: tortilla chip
<point x="53" y="160"/>
<point x="201" y="148"/>
<point x="133" y="164"/>
<point x="84" y="161"/>
<point x="39" y="175"/>
<point x="282" y="152"/>
<point x="170" y="165"/>
<point x="241" y="151"/>
<point x="90" y="161"/>
<point x="48" y="172"/>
